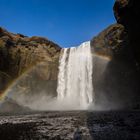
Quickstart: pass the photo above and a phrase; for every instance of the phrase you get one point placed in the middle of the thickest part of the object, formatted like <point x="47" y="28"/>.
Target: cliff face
<point x="111" y="42"/>
<point x="118" y="83"/>
<point x="19" y="54"/>
<point x="127" y="13"/>
<point x="116" y="51"/>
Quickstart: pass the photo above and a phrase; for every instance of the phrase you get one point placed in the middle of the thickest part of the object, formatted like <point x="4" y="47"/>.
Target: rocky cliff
<point x="35" y="57"/>
<point x="127" y="13"/>
<point x="116" y="52"/>
<point x="118" y="83"/>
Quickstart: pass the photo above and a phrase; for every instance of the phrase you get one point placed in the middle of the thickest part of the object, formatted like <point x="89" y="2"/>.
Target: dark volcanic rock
<point x="127" y="13"/>
<point x="115" y="71"/>
<point x="67" y="125"/>
<point x="119" y="78"/>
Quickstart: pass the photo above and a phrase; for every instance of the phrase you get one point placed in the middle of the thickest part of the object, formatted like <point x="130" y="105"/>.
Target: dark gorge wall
<point x="127" y="13"/>
<point x="118" y="84"/>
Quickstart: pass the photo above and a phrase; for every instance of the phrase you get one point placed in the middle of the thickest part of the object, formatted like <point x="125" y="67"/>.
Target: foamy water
<point x="75" y="86"/>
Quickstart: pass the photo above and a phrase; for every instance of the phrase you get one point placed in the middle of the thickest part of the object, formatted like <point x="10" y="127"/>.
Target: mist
<point x="42" y="95"/>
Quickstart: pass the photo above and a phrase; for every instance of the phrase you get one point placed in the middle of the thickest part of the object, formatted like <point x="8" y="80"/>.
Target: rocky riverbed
<point x="69" y="125"/>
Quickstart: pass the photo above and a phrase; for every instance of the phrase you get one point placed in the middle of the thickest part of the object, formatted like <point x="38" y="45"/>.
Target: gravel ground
<point x="71" y="125"/>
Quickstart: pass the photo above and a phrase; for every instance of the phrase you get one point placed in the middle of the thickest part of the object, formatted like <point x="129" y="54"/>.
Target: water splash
<point x="75" y="85"/>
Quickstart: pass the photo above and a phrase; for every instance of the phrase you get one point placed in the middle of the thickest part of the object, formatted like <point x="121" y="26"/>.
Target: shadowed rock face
<point x="118" y="84"/>
<point x="127" y="13"/>
<point x="19" y="54"/>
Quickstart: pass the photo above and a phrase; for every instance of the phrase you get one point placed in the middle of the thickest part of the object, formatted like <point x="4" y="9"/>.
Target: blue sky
<point x="66" y="22"/>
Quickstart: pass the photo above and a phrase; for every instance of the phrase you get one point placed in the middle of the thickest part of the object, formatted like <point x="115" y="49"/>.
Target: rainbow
<point x="6" y="91"/>
<point x="102" y="56"/>
<point x="11" y="84"/>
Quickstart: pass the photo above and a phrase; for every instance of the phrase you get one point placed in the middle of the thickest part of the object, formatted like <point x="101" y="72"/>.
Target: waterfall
<point x="75" y="85"/>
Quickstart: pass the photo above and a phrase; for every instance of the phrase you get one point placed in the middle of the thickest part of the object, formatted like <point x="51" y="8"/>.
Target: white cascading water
<point x="75" y="86"/>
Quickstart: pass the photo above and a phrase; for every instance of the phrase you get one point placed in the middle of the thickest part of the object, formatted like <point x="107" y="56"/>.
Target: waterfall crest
<point x="75" y="85"/>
